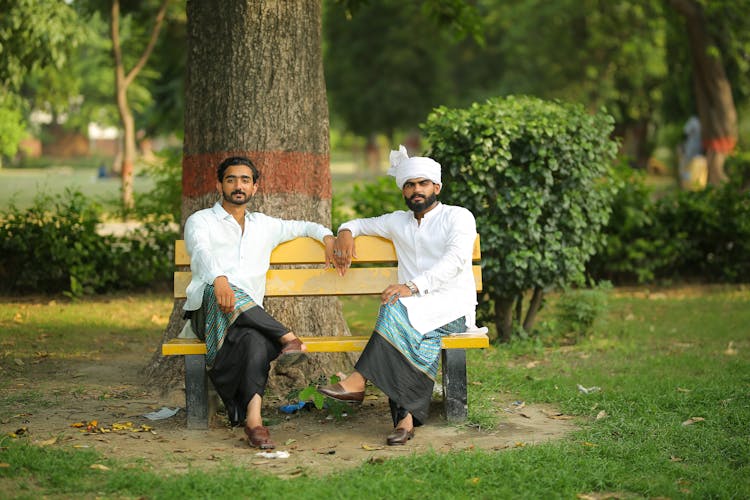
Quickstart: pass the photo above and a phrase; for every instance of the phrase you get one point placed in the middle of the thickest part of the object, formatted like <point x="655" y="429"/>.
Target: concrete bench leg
<point x="454" y="384"/>
<point x="196" y="392"/>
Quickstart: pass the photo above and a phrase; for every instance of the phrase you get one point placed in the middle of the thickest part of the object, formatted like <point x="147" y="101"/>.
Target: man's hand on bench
<point x="329" y="241"/>
<point x="343" y="251"/>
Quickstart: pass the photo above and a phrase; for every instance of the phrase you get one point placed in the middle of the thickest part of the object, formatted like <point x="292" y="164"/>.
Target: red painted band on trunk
<point x="280" y="172"/>
<point x="720" y="144"/>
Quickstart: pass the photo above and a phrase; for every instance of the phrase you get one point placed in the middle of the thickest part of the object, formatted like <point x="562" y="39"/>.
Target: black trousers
<point x="240" y="370"/>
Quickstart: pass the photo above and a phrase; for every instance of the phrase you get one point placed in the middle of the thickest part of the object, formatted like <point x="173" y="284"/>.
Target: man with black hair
<point x="230" y="249"/>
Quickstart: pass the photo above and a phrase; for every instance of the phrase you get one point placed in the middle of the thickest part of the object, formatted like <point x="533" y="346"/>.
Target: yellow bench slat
<point x="310" y="251"/>
<point x="321" y="282"/>
<point x="176" y="347"/>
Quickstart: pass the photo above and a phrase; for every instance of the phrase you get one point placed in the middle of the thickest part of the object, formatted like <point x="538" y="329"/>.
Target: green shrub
<point x="577" y="309"/>
<point x="703" y="235"/>
<point x="537" y="176"/>
<point x="376" y="198"/>
<point x="54" y="247"/>
<point x="166" y="196"/>
<point x="635" y="245"/>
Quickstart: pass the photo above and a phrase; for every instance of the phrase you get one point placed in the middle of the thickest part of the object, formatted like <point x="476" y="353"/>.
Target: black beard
<point x="228" y="198"/>
<point x="420" y="206"/>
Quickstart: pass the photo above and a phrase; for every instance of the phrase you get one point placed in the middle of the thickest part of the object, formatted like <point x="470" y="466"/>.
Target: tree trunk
<point x="254" y="86"/>
<point x="122" y="82"/>
<point x="128" y="151"/>
<point x="534" y="305"/>
<point x="713" y="91"/>
<point x="519" y="308"/>
<point x="504" y="318"/>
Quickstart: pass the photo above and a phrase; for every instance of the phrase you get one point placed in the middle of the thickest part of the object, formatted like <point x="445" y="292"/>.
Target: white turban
<point x="404" y="168"/>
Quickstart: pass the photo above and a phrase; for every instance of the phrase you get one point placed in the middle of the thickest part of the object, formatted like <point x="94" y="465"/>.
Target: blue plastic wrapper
<point x="293" y="408"/>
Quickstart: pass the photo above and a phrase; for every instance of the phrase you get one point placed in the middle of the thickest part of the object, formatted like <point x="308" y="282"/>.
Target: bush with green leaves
<point x="576" y="310"/>
<point x="680" y="236"/>
<point x="635" y="245"/>
<point x="55" y="247"/>
<point x="378" y="197"/>
<point x="165" y="198"/>
<point x="537" y="176"/>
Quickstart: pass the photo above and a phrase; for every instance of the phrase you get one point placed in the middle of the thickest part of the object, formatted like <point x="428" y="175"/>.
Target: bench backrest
<point x="359" y="280"/>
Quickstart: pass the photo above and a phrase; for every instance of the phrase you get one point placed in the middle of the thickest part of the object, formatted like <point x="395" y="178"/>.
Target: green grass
<point x="90" y="327"/>
<point x="659" y="361"/>
<point x="21" y="185"/>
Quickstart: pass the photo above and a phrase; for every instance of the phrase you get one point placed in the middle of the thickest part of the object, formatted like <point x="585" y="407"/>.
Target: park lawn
<point x="673" y="372"/>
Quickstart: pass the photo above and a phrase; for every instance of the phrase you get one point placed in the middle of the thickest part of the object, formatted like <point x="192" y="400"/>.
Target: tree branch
<point x="116" y="49"/>
<point x="686" y="8"/>
<point x="151" y="43"/>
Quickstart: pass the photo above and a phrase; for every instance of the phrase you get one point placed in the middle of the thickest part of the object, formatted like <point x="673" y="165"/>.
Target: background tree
<point x="255" y="86"/>
<point x="123" y="79"/>
<point x="718" y="33"/>
<point x="385" y="69"/>
<point x="596" y="52"/>
<point x="34" y="36"/>
<point x="537" y="176"/>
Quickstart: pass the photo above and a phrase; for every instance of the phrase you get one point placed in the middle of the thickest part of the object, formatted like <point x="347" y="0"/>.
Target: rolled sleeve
<point x="198" y="245"/>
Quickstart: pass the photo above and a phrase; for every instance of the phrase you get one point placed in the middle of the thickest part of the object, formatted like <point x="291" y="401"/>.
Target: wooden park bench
<point x="370" y="274"/>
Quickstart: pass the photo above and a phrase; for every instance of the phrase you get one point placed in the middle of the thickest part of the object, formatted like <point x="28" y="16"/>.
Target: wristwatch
<point x="412" y="287"/>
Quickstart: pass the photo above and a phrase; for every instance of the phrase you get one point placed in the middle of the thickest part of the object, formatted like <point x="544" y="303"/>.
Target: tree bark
<point x="713" y="91"/>
<point x="122" y="82"/>
<point x="504" y="318"/>
<point x="254" y="86"/>
<point x="534" y="305"/>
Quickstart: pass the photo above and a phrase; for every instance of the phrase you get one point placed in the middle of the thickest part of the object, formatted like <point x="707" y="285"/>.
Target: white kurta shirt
<point x="436" y="256"/>
<point x="218" y="247"/>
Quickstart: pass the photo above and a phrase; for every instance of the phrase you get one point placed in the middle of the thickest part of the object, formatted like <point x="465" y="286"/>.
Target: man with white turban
<point x="435" y="295"/>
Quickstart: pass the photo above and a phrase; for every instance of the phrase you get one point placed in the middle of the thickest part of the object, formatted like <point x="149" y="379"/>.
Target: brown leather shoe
<point x="292" y="353"/>
<point x="259" y="437"/>
<point x="337" y="391"/>
<point x="399" y="436"/>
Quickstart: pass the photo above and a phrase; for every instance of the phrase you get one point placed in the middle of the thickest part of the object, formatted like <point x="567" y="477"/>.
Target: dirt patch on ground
<point x="49" y="397"/>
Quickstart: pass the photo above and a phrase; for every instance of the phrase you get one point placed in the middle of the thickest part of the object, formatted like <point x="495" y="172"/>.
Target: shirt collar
<point x="223" y="214"/>
<point x="434" y="212"/>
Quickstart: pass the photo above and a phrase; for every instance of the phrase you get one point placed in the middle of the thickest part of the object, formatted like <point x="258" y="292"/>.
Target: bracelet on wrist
<point x="412" y="287"/>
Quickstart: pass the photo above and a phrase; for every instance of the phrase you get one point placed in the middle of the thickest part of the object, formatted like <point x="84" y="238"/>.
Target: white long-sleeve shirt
<point x="218" y="247"/>
<point x="436" y="256"/>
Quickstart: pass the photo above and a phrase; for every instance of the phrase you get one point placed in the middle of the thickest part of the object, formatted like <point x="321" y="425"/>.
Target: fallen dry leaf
<point x="675" y="459"/>
<point x="370" y="447"/>
<point x="603" y="495"/>
<point x="730" y="351"/>
<point x="4" y="465"/>
<point x="98" y="467"/>
<point x="693" y="420"/>
<point x="47" y="442"/>
<point x="602" y="414"/>
<point x="680" y="389"/>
